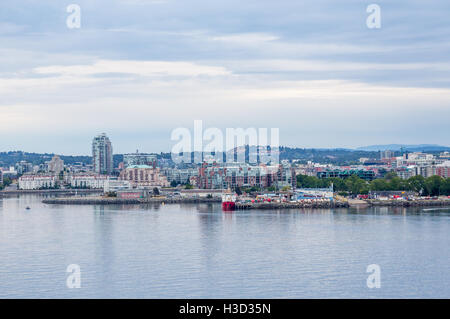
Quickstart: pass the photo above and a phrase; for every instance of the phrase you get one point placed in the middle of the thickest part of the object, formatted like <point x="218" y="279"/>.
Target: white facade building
<point x="28" y="182"/>
<point x="87" y="181"/>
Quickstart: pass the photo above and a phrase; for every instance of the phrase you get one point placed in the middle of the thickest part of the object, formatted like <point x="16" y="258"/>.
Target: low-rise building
<point x="92" y="181"/>
<point x="29" y="182"/>
<point x="143" y="176"/>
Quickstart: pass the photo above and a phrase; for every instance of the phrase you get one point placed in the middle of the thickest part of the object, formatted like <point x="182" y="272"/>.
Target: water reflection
<point x="196" y="250"/>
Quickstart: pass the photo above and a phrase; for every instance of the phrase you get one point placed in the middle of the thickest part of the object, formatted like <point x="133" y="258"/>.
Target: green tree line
<point x="431" y="186"/>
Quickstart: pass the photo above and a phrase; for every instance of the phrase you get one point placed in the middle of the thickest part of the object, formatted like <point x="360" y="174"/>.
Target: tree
<point x="397" y="184"/>
<point x="238" y="190"/>
<point x="433" y="185"/>
<point x="390" y="175"/>
<point x="156" y="191"/>
<point x="445" y="187"/>
<point x="173" y="184"/>
<point x="305" y="181"/>
<point x="379" y="184"/>
<point x="417" y="184"/>
<point x="338" y="184"/>
<point x="356" y="185"/>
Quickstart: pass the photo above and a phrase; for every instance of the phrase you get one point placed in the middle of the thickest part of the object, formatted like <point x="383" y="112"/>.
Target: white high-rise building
<point x="102" y="154"/>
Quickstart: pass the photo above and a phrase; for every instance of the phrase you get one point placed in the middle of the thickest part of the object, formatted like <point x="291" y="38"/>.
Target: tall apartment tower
<point x="102" y="154"/>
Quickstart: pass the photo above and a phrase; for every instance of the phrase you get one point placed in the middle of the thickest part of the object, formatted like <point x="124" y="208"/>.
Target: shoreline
<point x="241" y="206"/>
<point x="121" y="201"/>
<point x="415" y="203"/>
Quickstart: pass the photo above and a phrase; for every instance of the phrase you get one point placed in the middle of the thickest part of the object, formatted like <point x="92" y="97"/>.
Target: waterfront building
<point x="139" y="159"/>
<point x="1" y="176"/>
<point x="29" y="182"/>
<point x="144" y="176"/>
<point x="92" y="181"/>
<point x="56" y="165"/>
<point x="102" y="154"/>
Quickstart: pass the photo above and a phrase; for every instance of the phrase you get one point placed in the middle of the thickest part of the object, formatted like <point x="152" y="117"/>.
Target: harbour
<point x="196" y="250"/>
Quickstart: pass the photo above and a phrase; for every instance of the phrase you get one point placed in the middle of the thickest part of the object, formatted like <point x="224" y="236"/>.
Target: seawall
<point x="272" y="205"/>
<point x="119" y="201"/>
<point x="404" y="203"/>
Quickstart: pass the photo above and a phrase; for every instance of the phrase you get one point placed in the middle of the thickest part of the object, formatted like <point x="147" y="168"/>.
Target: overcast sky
<point x="137" y="69"/>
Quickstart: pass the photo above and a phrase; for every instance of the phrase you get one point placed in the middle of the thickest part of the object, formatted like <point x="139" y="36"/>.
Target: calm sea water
<point x="197" y="251"/>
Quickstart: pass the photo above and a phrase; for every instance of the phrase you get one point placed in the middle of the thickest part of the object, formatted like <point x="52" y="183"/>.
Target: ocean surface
<point x="197" y="251"/>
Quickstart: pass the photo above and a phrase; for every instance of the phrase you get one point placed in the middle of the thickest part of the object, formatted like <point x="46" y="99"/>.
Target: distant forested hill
<point x="328" y="156"/>
<point x="10" y="158"/>
<point x="337" y="156"/>
<point x="331" y="156"/>
<point x="410" y="148"/>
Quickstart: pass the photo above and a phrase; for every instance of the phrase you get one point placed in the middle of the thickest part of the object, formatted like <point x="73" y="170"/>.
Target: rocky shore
<point x="404" y="203"/>
<point x="121" y="201"/>
<point x="242" y="206"/>
<point x="272" y="205"/>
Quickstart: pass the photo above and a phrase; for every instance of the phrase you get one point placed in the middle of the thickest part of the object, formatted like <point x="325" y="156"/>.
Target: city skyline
<point x="315" y="71"/>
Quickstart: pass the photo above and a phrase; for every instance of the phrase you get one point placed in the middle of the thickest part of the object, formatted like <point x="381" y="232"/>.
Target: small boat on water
<point x="228" y="201"/>
<point x="28" y="208"/>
